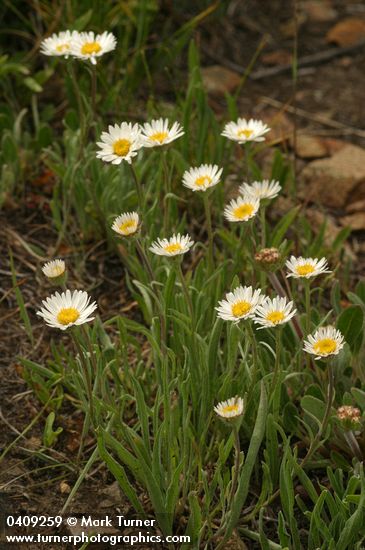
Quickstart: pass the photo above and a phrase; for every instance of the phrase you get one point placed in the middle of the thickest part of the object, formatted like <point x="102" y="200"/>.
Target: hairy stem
<point x="87" y="378"/>
<point x="138" y="187"/>
<point x="236" y="464"/>
<point x="208" y="217"/>
<point x="274" y="389"/>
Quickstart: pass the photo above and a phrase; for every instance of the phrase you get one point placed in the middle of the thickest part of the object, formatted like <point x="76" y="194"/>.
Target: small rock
<point x="281" y="127"/>
<point x="357" y="206"/>
<point x="279" y="57"/>
<point x="106" y="503"/>
<point x="355" y="221"/>
<point x="309" y="147"/>
<point x="345" y="61"/>
<point x="347" y="32"/>
<point x="218" y="80"/>
<point x="65" y="488"/>
<point x="330" y="181"/>
<point x="334" y="145"/>
<point x="319" y="11"/>
<point x="113" y="493"/>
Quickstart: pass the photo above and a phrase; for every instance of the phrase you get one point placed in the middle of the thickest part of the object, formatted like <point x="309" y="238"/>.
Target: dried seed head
<point x="346" y="412"/>
<point x="349" y="417"/>
<point x="269" y="259"/>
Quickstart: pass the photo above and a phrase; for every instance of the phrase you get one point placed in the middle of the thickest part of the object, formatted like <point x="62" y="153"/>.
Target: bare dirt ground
<point x="330" y="108"/>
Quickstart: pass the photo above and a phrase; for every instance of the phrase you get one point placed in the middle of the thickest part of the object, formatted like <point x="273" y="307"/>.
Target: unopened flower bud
<point x="55" y="271"/>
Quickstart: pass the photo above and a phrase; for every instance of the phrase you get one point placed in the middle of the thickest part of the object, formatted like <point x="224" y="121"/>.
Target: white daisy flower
<point x="203" y="177"/>
<point x="89" y="46"/>
<point x="264" y="189"/>
<point x="67" y="309"/>
<point x="231" y="408"/>
<point x="272" y="313"/>
<point x="126" y="224"/>
<point x="242" y="209"/>
<point x="244" y="130"/>
<point x="240" y="304"/>
<point x="157" y="132"/>
<point x="54" y="269"/>
<point x="121" y="142"/>
<point x="59" y="44"/>
<point x="306" y="267"/>
<point x="324" y="342"/>
<point x="177" y="244"/>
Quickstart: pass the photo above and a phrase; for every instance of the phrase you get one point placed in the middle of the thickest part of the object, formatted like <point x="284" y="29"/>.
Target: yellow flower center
<point x="243" y="211"/>
<point x="230" y="408"/>
<point x="202" y="180"/>
<point x="90" y="47"/>
<point x="128" y="227"/>
<point x="159" y="136"/>
<point x="174" y="247"/>
<point x="325" y="346"/>
<point x="275" y="317"/>
<point x="304" y="269"/>
<point x="246" y="132"/>
<point x="68" y="315"/>
<point x="240" y="308"/>
<point x="63" y="47"/>
<point x="121" y="147"/>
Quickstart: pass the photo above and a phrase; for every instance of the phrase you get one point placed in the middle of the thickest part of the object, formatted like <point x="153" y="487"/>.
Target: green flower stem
<point x="275" y="392"/>
<point x="307" y="293"/>
<point x="89" y="344"/>
<point x="254" y="356"/>
<point x="251" y="244"/>
<point x="163" y="371"/>
<point x="307" y="306"/>
<point x="159" y="297"/>
<point x="87" y="378"/>
<point x="237" y="448"/>
<point x="247" y="147"/>
<point x="145" y="260"/>
<point x="186" y="292"/>
<point x="80" y="107"/>
<point x="166" y="191"/>
<point x="263" y="225"/>
<point x="138" y="188"/>
<point x="190" y="307"/>
<point x="208" y="217"/>
<point x="230" y="522"/>
<point x="243" y="229"/>
<point x="93" y="92"/>
<point x="326" y="417"/>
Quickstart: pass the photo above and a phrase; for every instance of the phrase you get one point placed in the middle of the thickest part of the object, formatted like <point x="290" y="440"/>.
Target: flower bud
<point x="55" y="271"/>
